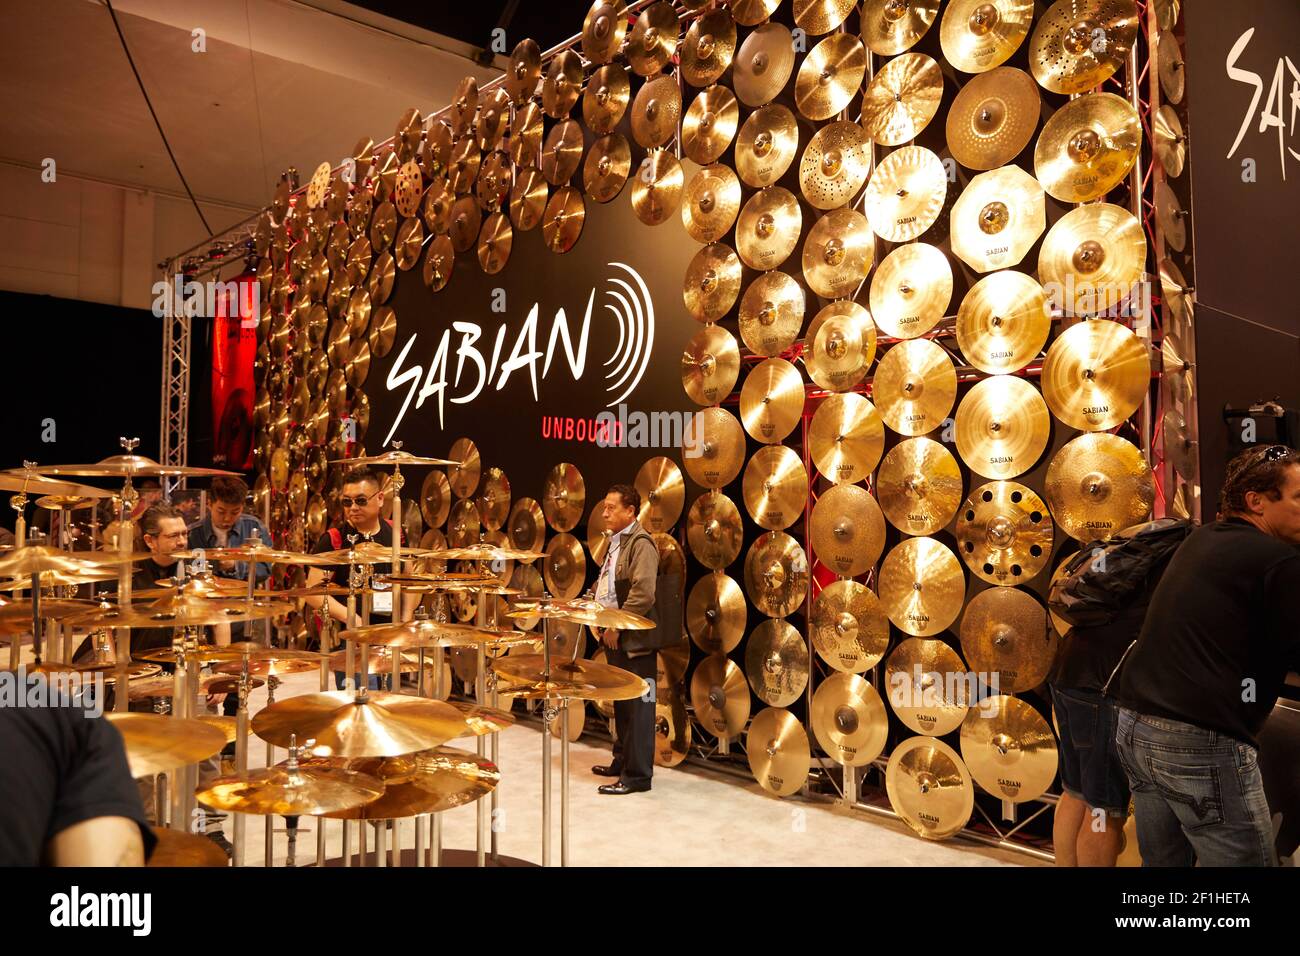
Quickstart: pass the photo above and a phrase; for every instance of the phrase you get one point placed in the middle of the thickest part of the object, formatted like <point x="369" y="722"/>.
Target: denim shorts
<point x="1090" y="767"/>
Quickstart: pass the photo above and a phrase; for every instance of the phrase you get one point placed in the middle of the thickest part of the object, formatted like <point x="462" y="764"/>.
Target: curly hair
<point x="1262" y="470"/>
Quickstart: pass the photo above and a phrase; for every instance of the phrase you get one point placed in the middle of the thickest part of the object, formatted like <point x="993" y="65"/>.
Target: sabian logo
<point x="912" y="517"/>
<point x="920" y="417"/>
<point x="905" y="220"/>
<point x="1096" y="409"/>
<point x="997" y="251"/>
<point x="919" y="618"/>
<point x="1007" y="354"/>
<point x="1099" y="524"/>
<point x="1001" y="459"/>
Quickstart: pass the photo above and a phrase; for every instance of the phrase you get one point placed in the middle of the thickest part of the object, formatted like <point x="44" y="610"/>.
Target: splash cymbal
<point x="657" y="191"/>
<point x="720" y="696"/>
<point x="707" y="51"/>
<point x="830" y="76"/>
<point x="524" y="71"/>
<point x="1004" y="632"/>
<point x="776" y="574"/>
<point x="528" y="199"/>
<point x="849" y="627"/>
<point x="763" y="64"/>
<point x="778" y="751"/>
<point x="606" y="168"/>
<point x="771" y="313"/>
<point x="654" y="39"/>
<point x="562" y="221"/>
<point x="921" y="586"/>
<point x="816" y="17"/>
<point x="713" y="530"/>
<point x="901" y="99"/>
<point x="494" y="241"/>
<point x="768" y="228"/>
<point x="1004" y="532"/>
<point x="911" y="290"/>
<point x="1009" y="748"/>
<point x="766" y="145"/>
<point x="921" y="693"/>
<point x="714" y="448"/>
<point x="997" y="219"/>
<point x="915" y="386"/>
<point x="892" y="26"/>
<point x="379" y="725"/>
<point x="929" y="787"/>
<point x="847" y="530"/>
<point x="775" y="487"/>
<point x="849" y="720"/>
<point x="977" y="35"/>
<point x="835" y="165"/>
<point x="846" y="438"/>
<point x="1097" y="253"/>
<point x="562" y="152"/>
<point x="843" y="346"/>
<point x="710" y="124"/>
<point x="655" y="111"/>
<point x="1170" y="67"/>
<point x="776" y="662"/>
<point x="712" y="283"/>
<point x="993" y="118"/>
<point x="1002" y="427"/>
<point x="920" y="486"/>
<point x="605" y="99"/>
<point x="1168" y="141"/>
<point x="710" y="203"/>
<point x="1171" y="217"/>
<point x="710" y="365"/>
<point x="464" y="475"/>
<point x="1088" y="147"/>
<point x="564" y="497"/>
<point x="1003" y="322"/>
<point x="565" y="566"/>
<point x="1098" y="485"/>
<point x="1096" y="374"/>
<point x="906" y="193"/>
<point x="663" y="493"/>
<point x="715" y="613"/>
<point x="771" y="400"/>
<point x="1078" y="44"/>
<point x="563" y="84"/>
<point x="603" y="30"/>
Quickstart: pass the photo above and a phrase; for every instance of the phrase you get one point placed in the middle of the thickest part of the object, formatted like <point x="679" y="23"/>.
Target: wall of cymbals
<point x="917" y="361"/>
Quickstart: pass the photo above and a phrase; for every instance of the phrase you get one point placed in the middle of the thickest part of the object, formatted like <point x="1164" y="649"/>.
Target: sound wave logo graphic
<point x="632" y="306"/>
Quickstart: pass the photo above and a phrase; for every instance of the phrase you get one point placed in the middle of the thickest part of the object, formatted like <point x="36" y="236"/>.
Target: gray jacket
<point x="635" y="576"/>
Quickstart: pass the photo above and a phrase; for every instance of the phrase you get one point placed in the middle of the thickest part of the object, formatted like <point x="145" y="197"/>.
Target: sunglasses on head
<point x="360" y="501"/>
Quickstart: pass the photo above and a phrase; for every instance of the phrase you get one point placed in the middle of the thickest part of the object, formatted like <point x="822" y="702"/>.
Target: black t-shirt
<point x="147" y="574"/>
<point x="1223" y="625"/>
<point x="60" y="767"/>
<point x="1088" y="655"/>
<point x="338" y="573"/>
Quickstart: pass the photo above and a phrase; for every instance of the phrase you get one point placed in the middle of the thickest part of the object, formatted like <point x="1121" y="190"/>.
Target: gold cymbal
<point x="562" y="152"/>
<point x="920" y="486"/>
<point x="1078" y="44"/>
<point x="115" y="466"/>
<point x="563" y="84"/>
<point x="1009" y="748"/>
<point x="525" y="526"/>
<point x="409" y="189"/>
<point x="849" y="720"/>
<point x="319" y="185"/>
<point x="406" y="248"/>
<point x="846" y="438"/>
<point x="524" y="71"/>
<point x="710" y="124"/>
<point x="714" y="448"/>
<point x="776" y="574"/>
<point x="763" y="64"/>
<point x="1096" y="374"/>
<point x="672" y="730"/>
<point x="750" y="12"/>
<point x="929" y="787"/>
<point x="581" y="679"/>
<point x="775" y="487"/>
<point x="771" y="313"/>
<point x="901" y="99"/>
<point x="563" y="219"/>
<point x="184" y="607"/>
<point x="892" y="26"/>
<point x="528" y="199"/>
<point x="1168" y="141"/>
<point x="849" y="627"/>
<point x="1003" y="322"/>
<point x="603" y="30"/>
<point x="766" y="145"/>
<point x="438" y="200"/>
<point x="993" y="118"/>
<point x="847" y="530"/>
<point x="997" y="219"/>
<point x="464" y="475"/>
<point x="1002" y="427"/>
<point x="776" y="662"/>
<point x="977" y="35"/>
<point x="378" y="661"/>
<point x="920" y="691"/>
<point x="768" y="228"/>
<point x="379" y="283"/>
<point x="712" y="283"/>
<point x="911" y="290"/>
<point x="1179" y="447"/>
<point x="657" y="191"/>
<point x="466" y="218"/>
<point x="715" y="613"/>
<point x="1004" y="532"/>
<point x="707" y="50"/>
<point x="495" y="179"/>
<point x="710" y="365"/>
<point x="778" y="751"/>
<point x="655" y="111"/>
<point x="606" y="168"/>
<point x="1095" y="254"/>
<point x="175" y="848"/>
<point x="921" y="586"/>
<point x="1004" y="632"/>
<point x="341" y="724"/>
<point x="1170" y="67"/>
<point x="915" y="386"/>
<point x="830" y="76"/>
<point x="526" y="134"/>
<point x="710" y="203"/>
<point x="494" y="499"/>
<point x="713" y="530"/>
<point x="906" y="193"/>
<point x="564" y="497"/>
<point x="771" y="400"/>
<point x="565" y="566"/>
<point x="653" y="41"/>
<point x="466" y="159"/>
<point x="671" y="560"/>
<point x="435" y="153"/>
<point x="816" y="17"/>
<point x="835" y="165"/>
<point x="1098" y="485"/>
<point x="1088" y="146"/>
<point x="464" y="105"/>
<point x="1171" y="217"/>
<point x="427" y="782"/>
<point x="720" y="696"/>
<point x="605" y="99"/>
<point x="156" y="744"/>
<point x="843" y="345"/>
<point x="663" y="494"/>
<point x="583" y="612"/>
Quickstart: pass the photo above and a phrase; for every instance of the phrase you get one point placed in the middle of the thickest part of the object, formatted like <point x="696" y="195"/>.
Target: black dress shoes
<point x="620" y="788"/>
<point x="610" y="771"/>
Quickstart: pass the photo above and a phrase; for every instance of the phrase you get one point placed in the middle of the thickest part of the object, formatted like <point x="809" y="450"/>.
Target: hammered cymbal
<point x="921" y="586"/>
<point x="494" y="242"/>
<point x="1003" y="322"/>
<point x="775" y="487"/>
<point x="713" y="448"/>
<point x="927" y="686"/>
<point x="1078" y="44"/>
<point x="710" y="124"/>
<point x="1004" y="532"/>
<point x="708" y="48"/>
<point x="606" y="168"/>
<point x="849" y="720"/>
<point x="1168" y="141"/>
<point x="653" y="40"/>
<point x="901" y="99"/>
<point x="1004" y="632"/>
<point x="1096" y="374"/>
<point x="466" y="219"/>
<point x="1002" y="427"/>
<point x="847" y="530"/>
<point x="713" y="530"/>
<point x="1170" y="67"/>
<point x="656" y="111"/>
<point x="846" y="438"/>
<point x="766" y="145"/>
<point x="849" y="627"/>
<point x="563" y="84"/>
<point x="526" y="131"/>
<point x="771" y="400"/>
<point x="493" y="120"/>
<point x="977" y="35"/>
<point x="771" y="313"/>
<point x="776" y="574"/>
<point x="929" y="787"/>
<point x="892" y="26"/>
<point x="710" y="203"/>
<point x="843" y="346"/>
<point x="438" y="200"/>
<point x="1095" y="254"/>
<point x="564" y="497"/>
<point x="663" y="494"/>
<point x="406" y="247"/>
<point x="579" y="679"/>
<point x="720" y="696"/>
<point x="1010" y="749"/>
<point x="524" y="70"/>
<point x="712" y="282"/>
<point x="830" y="76"/>
<point x="528" y="199"/>
<point x="768" y="228"/>
<point x="657" y="191"/>
<point x="763" y="64"/>
<point x="1097" y="485"/>
<point x="749" y="13"/>
<point x="562" y="152"/>
<point x="920" y="486"/>
<point x="834" y="166"/>
<point x="715" y="613"/>
<point x="997" y="219"/>
<point x="993" y="118"/>
<point x="915" y="386"/>
<point x="565" y="566"/>
<point x="603" y="30"/>
<point x="906" y="193"/>
<point x="563" y="219"/>
<point x="710" y="365"/>
<point x="911" y="290"/>
<point x="156" y="744"/>
<point x="816" y="17"/>
<point x="343" y="724"/>
<point x="1171" y="217"/>
<point x="1088" y="146"/>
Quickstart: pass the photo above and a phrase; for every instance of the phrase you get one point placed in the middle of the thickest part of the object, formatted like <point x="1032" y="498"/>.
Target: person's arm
<point x="101" y="841"/>
<point x="643" y="570"/>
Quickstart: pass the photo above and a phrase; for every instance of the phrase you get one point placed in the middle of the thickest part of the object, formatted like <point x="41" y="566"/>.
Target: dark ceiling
<point x="472" y="21"/>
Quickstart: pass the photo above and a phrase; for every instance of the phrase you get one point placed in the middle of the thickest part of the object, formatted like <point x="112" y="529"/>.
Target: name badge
<point x="381" y="602"/>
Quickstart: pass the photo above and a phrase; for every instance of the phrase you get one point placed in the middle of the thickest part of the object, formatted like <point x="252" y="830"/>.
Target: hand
<point x="215" y="699"/>
<point x="609" y="637"/>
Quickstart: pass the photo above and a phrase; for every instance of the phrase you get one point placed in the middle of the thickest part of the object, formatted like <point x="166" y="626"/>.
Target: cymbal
<point x="911" y="290"/>
<point x="464" y="473"/>
<point x="709" y="124"/>
<point x="778" y="751"/>
<point x="175" y="848"/>
<point x="713" y="530"/>
<point x="915" y="386"/>
<point x="707" y="50"/>
<point x="710" y="365"/>
<point x="847" y="530"/>
<point x="63" y="502"/>
<point x="922" y="694"/>
<point x="1096" y="374"/>
<point x="605" y="99"/>
<point x="525" y="525"/>
<point x="1096" y="251"/>
<point x="562" y="152"/>
<point x="603" y="30"/>
<point x="720" y="696"/>
<point x="771" y="313"/>
<point x="494" y="499"/>
<point x="901" y="99"/>
<point x="580" y="679"/>
<point x="395" y="458"/>
<point x="843" y="343"/>
<point x="1078" y="44"/>
<point x="16" y="615"/>
<point x="235" y="652"/>
<point x="563" y="219"/>
<point x="763" y="64"/>
<point x="997" y="219"/>
<point x="1179" y="447"/>
<point x="1002" y="427"/>
<point x="526" y="135"/>
<point x="1170" y="67"/>
<point x="766" y="145"/>
<point x="671" y="560"/>
<point x="524" y="71"/>
<point x="920" y="486"/>
<point x="435" y="153"/>
<point x="929" y="787"/>
<point x="1003" y="322"/>
<point x="849" y="627"/>
<point x="379" y="661"/>
<point x="1088" y="147"/>
<point x="427" y="782"/>
<point x="1168" y="141"/>
<point x="495" y="178"/>
<point x="483" y="720"/>
<point x="564" y="497"/>
<point x="1004" y="632"/>
<point x="183" y="608"/>
<point x="710" y="203"/>
<point x="775" y="487"/>
<point x="464" y="105"/>
<point x="846" y="437"/>
<point x="830" y="76"/>
<point x="290" y="788"/>
<point x="343" y="724"/>
<point x="657" y="190"/>
<point x="653" y="41"/>
<point x="565" y="566"/>
<point x="776" y="661"/>
<point x="835" y="165"/>
<point x="156" y="744"/>
<point x="849" y="720"/>
<point x="977" y="35"/>
<point x="672" y="730"/>
<point x="712" y="283"/>
<point x="750" y="12"/>
<point x="1097" y="485"/>
<point x="438" y="263"/>
<point x="655" y="111"/>
<point x="563" y="84"/>
<point x="115" y="466"/>
<point x="905" y="193"/>
<point x="364" y="552"/>
<point x="1004" y="533"/>
<point x="605" y="171"/>
<point x="40" y="559"/>
<point x="993" y="118"/>
<point x="892" y="26"/>
<point x="715" y="613"/>
<point x="582" y="612"/>
<point x="1171" y="217"/>
<point x="1010" y="749"/>
<point x="438" y="200"/>
<point x="714" y="448"/>
<point x="466" y="218"/>
<point x="776" y="574"/>
<point x="816" y="17"/>
<point x="663" y="494"/>
<point x="768" y="228"/>
<point x="771" y="400"/>
<point x="435" y="499"/>
<point x="921" y="586"/>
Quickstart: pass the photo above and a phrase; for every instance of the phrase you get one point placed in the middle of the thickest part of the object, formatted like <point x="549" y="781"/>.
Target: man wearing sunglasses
<point x="1221" y="631"/>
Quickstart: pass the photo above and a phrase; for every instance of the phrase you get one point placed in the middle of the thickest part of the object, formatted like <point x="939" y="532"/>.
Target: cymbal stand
<point x="272" y="682"/>
<point x="241" y="753"/>
<point x="184" y="690"/>
<point x="439" y="691"/>
<point x="397" y="481"/>
<point x="125" y="545"/>
<point x="549" y="714"/>
<point x="19" y="503"/>
<point x="326" y="645"/>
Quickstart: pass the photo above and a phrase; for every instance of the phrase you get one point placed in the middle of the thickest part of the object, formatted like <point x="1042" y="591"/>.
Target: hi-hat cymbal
<point x="911" y="290"/>
<point x="525" y="525"/>
<point x="921" y="586"/>
<point x="720" y="696"/>
<point x="562" y="152"/>
<point x="929" y="787"/>
<point x="157" y="744"/>
<point x="816" y="17"/>
<point x="603" y="30"/>
<point x="1168" y="141"/>
<point x="564" y="497"/>
<point x="849" y="627"/>
<point x="653" y="40"/>
<point x="993" y="118"/>
<point x="1088" y="147"/>
<point x="1096" y="254"/>
<point x="766" y="145"/>
<point x="657" y="190"/>
<point x="1004" y="632"/>
<point x="840" y="346"/>
<point x="713" y="530"/>
<point x="778" y="751"/>
<point x="1009" y="748"/>
<point x="663" y="494"/>
<point x="710" y="203"/>
<point x="1003" y="322"/>
<point x="771" y="400"/>
<point x="715" y="613"/>
<point x="563" y="219"/>
<point x="1004" y="533"/>
<point x="1078" y="44"/>
<point x="776" y="574"/>
<point x="342" y="724"/>
<point x="527" y="199"/>
<point x="524" y="71"/>
<point x="710" y="365"/>
<point x="708" y="48"/>
<point x="605" y="99"/>
<point x="834" y="165"/>
<point x="915" y="386"/>
<point x="906" y="193"/>
<point x="776" y="662"/>
<point x="712" y="283"/>
<point x="1002" y="427"/>
<point x="830" y="76"/>
<point x="464" y="474"/>
<point x="771" y="313"/>
<point x="565" y="566"/>
<point x="494" y="499"/>
<point x="847" y="530"/>
<point x="713" y="448"/>
<point x="672" y="730"/>
<point x="775" y="487"/>
<point x="977" y="35"/>
<point x="997" y="219"/>
<point x="921" y="692"/>
<point x="1096" y="374"/>
<point x="655" y="111"/>
<point x="920" y="486"/>
<point x="1171" y="217"/>
<point x="710" y="124"/>
<point x="763" y="64"/>
<point x="901" y="99"/>
<point x="892" y="26"/>
<point x="427" y="782"/>
<point x="1170" y="67"/>
<point x="846" y="438"/>
<point x="605" y="171"/>
<point x="768" y="228"/>
<point x="563" y="84"/>
<point x="1098" y="485"/>
<point x="849" y="720"/>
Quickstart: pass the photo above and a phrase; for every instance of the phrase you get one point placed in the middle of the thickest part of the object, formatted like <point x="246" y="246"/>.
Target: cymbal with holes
<point x="1098" y="251"/>
<point x="1004" y="631"/>
<point x="911" y="290"/>
<point x="409" y="189"/>
<point x="830" y="76"/>
<point x="847" y="530"/>
<point x="840" y="346"/>
<point x="929" y="787"/>
<point x="710" y="365"/>
<point x="562" y="85"/>
<point x="763" y="64"/>
<point x="1170" y="67"/>
<point x="766" y="145"/>
<point x="977" y="35"/>
<point x="921" y="586"/>
<point x="997" y="219"/>
<point x="775" y="487"/>
<point x="1096" y="374"/>
<point x="605" y="99"/>
<point x="562" y="221"/>
<point x="1168" y="140"/>
<point x="524" y="71"/>
<point x="708" y="48"/>
<point x="993" y="118"/>
<point x="849" y="720"/>
<point x="713" y="448"/>
<point x="712" y="283"/>
<point x="849" y="627"/>
<point x="1009" y="748"/>
<point x="564" y="497"/>
<point x="901" y="99"/>
<point x="713" y="530"/>
<point x="915" y="386"/>
<point x="710" y="124"/>
<point x="1088" y="146"/>
<point x="606" y="168"/>
<point x="603" y="30"/>
<point x="715" y="613"/>
<point x="720" y="696"/>
<point x="776" y="662"/>
<point x="835" y="165"/>
<point x="846" y="437"/>
<point x="778" y="751"/>
<point x="1002" y="427"/>
<point x="653" y="41"/>
<point x="1097" y="485"/>
<point x="663" y="494"/>
<point x="919" y="486"/>
<point x="905" y="193"/>
<point x="776" y="574"/>
<point x="1078" y="44"/>
<point x="768" y="228"/>
<point x="710" y="203"/>
<point x="1003" y="322"/>
<point x="921" y="691"/>
<point x="1004" y="533"/>
<point x="771" y="400"/>
<point x="657" y="187"/>
<point x="565" y="566"/>
<point x="891" y="26"/>
<point x="561" y="152"/>
<point x="771" y="313"/>
<point x="655" y="111"/>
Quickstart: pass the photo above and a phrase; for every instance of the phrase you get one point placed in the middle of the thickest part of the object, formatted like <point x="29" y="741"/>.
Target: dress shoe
<point x="613" y="770"/>
<point x="620" y="788"/>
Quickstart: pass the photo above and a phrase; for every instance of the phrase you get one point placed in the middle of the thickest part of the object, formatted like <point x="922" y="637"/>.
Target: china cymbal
<point x="921" y="692"/>
<point x="768" y="228"/>
<point x="778" y="751"/>
<point x="921" y="586"/>
<point x="763" y="64"/>
<point x="564" y="497"/>
<point x="663" y="494"/>
<point x="892" y="26"/>
<point x="713" y="530"/>
<point x="835" y="165"/>
<point x="915" y="386"/>
<point x="708" y="48"/>
<point x="527" y="199"/>
<point x="712" y="283"/>
<point x="710" y="124"/>
<point x="710" y="203"/>
<point x="657" y="191"/>
<point x="1096" y="252"/>
<point x="1088" y="147"/>
<point x="1009" y="748"/>
<point x="901" y="99"/>
<point x="655" y="111"/>
<point x="842" y="347"/>
<point x="847" y="530"/>
<point x="905" y="193"/>
<point x="1002" y="427"/>
<point x="1171" y="217"/>
<point x="562" y="152"/>
<point x="494" y="499"/>
<point x="1003" y="322"/>
<point x="525" y="675"/>
<point x="920" y="486"/>
<point x="751" y="12"/>
<point x="720" y="696"/>
<point x="775" y="487"/>
<point x="715" y="613"/>
<point x="846" y="437"/>
<point x="427" y="782"/>
<point x="997" y="219"/>
<point x="1004" y="632"/>
<point x="977" y="35"/>
<point x="1096" y="374"/>
<point x="563" y="219"/>
<point x="776" y="574"/>
<point x="849" y="627"/>
<point x="653" y="40"/>
<point x="830" y="76"/>
<point x="1078" y="44"/>
<point x="771" y="313"/>
<point x="771" y="400"/>
<point x="766" y="145"/>
<point x="1004" y="532"/>
<point x="710" y="365"/>
<point x="1168" y="141"/>
<point x="849" y="720"/>
<point x="993" y="118"/>
<point x="603" y="30"/>
<point x="1170" y="67"/>
<point x="563" y="84"/>
<point x="929" y="787"/>
<point x="156" y="744"/>
<point x="672" y="730"/>
<point x="713" y="449"/>
<point x="1098" y="485"/>
<point x="524" y="71"/>
<point x="605" y="171"/>
<point x="911" y="290"/>
<point x="525" y="526"/>
<point x="565" y="566"/>
<point x="605" y="99"/>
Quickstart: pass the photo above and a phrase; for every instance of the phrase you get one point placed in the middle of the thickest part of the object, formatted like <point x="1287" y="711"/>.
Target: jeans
<point x="1198" y="794"/>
